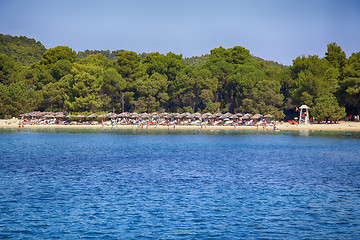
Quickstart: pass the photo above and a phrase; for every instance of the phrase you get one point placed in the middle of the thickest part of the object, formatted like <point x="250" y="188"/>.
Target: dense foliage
<point x="21" y="49"/>
<point x="111" y="55"/>
<point x="225" y="80"/>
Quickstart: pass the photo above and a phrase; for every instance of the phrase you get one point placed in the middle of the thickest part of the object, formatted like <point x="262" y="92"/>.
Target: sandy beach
<point x="341" y="126"/>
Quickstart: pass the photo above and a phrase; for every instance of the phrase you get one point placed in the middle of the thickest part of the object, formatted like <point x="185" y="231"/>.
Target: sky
<point x="273" y="30"/>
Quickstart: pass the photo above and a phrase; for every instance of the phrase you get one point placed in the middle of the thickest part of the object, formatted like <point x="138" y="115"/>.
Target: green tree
<point x="336" y="56"/>
<point x="314" y="77"/>
<point x="85" y="84"/>
<point x="54" y="95"/>
<point x="17" y="98"/>
<point x="7" y="68"/>
<point x="60" y="69"/>
<point x="55" y="54"/>
<point x="129" y="65"/>
<point x="327" y="108"/>
<point x="169" y="64"/>
<point x="194" y="88"/>
<point x="153" y="93"/>
<point x="113" y="86"/>
<point x="264" y="98"/>
<point x="349" y="91"/>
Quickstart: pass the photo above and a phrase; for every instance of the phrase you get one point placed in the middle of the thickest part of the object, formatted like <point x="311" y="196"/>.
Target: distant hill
<point x="270" y="63"/>
<point x="21" y="49"/>
<point x="196" y="61"/>
<point x="111" y="55"/>
<point x="28" y="51"/>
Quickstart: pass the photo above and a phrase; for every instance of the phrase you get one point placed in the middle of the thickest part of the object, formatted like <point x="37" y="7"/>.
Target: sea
<point x="142" y="184"/>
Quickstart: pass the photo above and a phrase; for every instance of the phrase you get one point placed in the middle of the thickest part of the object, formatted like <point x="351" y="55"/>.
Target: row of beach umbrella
<point x="134" y="115"/>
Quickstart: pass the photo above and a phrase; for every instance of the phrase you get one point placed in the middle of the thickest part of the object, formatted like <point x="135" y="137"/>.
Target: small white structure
<point x="304" y="114"/>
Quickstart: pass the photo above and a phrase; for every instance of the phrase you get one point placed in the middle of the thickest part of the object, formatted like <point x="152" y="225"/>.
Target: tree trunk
<point x="122" y="102"/>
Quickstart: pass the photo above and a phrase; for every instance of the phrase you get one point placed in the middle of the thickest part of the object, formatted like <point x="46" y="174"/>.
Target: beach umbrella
<point x="177" y="115"/>
<point x="209" y="115"/>
<point x="268" y="116"/>
<point x="247" y="116"/>
<point x="154" y="115"/>
<point x="228" y="115"/>
<point x="234" y="116"/>
<point x="134" y="115"/>
<point x="187" y="115"/>
<point x="43" y="114"/>
<point x="112" y="115"/>
<point x="92" y="115"/>
<point x="123" y="115"/>
<point x="37" y="114"/>
<point x="256" y="116"/>
<point x="80" y="116"/>
<point x="144" y="115"/>
<point x="206" y="115"/>
<point x="164" y="114"/>
<point x="239" y="115"/>
<point x="70" y="116"/>
<point x="197" y="115"/>
<point x="49" y="116"/>
<point x="217" y="115"/>
<point x="59" y="115"/>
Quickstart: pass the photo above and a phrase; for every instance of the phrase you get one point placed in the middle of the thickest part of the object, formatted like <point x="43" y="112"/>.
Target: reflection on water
<point x="304" y="133"/>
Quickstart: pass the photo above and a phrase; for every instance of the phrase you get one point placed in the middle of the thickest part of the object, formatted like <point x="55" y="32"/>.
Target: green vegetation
<point x="224" y="80"/>
<point x="21" y="49"/>
<point x="110" y="55"/>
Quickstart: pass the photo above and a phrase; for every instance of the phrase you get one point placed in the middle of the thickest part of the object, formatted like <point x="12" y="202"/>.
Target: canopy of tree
<point x="111" y="55"/>
<point x="21" y="49"/>
<point x="224" y="80"/>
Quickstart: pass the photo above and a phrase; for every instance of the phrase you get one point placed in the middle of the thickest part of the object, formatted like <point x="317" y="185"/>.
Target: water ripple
<point x="109" y="186"/>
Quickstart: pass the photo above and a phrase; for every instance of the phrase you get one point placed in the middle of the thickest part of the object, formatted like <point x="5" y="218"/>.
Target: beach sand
<point x="341" y="126"/>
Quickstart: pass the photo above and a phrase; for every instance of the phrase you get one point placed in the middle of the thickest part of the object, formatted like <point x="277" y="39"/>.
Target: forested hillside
<point x="21" y="49"/>
<point x="227" y="80"/>
<point x="111" y="55"/>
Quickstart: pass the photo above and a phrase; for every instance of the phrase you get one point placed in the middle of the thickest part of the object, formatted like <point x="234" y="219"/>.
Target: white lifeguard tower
<point x="304" y="114"/>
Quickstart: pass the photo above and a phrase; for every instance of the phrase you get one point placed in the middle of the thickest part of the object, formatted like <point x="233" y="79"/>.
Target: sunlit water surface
<point x="184" y="185"/>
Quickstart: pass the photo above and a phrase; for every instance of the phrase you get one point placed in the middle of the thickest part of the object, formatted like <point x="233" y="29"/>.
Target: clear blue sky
<point x="273" y="30"/>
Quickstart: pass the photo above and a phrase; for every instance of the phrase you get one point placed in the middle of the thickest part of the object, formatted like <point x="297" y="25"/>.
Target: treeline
<point x="111" y="55"/>
<point x="228" y="80"/>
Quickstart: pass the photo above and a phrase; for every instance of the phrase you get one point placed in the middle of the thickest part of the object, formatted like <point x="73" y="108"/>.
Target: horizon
<point x="278" y="31"/>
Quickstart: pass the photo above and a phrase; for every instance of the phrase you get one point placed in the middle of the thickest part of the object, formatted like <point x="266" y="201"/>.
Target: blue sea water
<point x="185" y="185"/>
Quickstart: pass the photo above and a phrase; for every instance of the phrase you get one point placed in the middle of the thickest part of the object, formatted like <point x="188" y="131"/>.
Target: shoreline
<point x="341" y="126"/>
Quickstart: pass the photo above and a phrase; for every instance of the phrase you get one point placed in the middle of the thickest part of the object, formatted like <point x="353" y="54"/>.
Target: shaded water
<point x="185" y="185"/>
